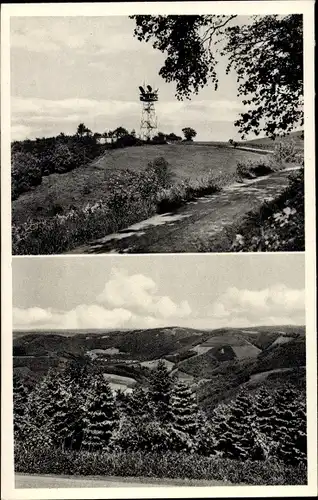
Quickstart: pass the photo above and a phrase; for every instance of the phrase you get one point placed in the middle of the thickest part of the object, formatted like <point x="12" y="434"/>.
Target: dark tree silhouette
<point x="189" y="133"/>
<point x="266" y="53"/>
<point x="81" y="129"/>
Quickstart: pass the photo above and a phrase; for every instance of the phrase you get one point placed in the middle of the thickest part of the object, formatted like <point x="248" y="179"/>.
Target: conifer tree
<point x="20" y="403"/>
<point x="184" y="417"/>
<point x="160" y="387"/>
<point x="41" y="407"/>
<point x="139" y="405"/>
<point x="290" y="429"/>
<point x="122" y="402"/>
<point x="126" y="435"/>
<point x="41" y="402"/>
<point x="235" y="435"/>
<point x="205" y="439"/>
<point x="68" y="418"/>
<point x="100" y="415"/>
<point x="265" y="422"/>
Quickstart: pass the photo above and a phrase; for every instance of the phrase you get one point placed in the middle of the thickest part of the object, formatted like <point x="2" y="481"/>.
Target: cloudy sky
<point x="67" y="70"/>
<point x="203" y="291"/>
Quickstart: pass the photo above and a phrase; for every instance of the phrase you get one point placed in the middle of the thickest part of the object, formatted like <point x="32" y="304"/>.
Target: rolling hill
<point x="216" y="363"/>
<point x="90" y="183"/>
<point x="266" y="142"/>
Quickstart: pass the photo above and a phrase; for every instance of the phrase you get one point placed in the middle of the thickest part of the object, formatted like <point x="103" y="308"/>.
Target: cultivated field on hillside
<point x="229" y="356"/>
<point x="91" y="183"/>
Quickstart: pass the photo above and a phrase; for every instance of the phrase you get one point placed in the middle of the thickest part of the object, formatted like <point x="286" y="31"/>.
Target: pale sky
<point x="200" y="291"/>
<point x="67" y="70"/>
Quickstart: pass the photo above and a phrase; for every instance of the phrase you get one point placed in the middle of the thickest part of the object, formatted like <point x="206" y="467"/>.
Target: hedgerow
<point x="155" y="465"/>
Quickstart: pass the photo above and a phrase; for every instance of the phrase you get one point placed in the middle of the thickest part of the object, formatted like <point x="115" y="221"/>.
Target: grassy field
<point x="267" y="143"/>
<point x="91" y="183"/>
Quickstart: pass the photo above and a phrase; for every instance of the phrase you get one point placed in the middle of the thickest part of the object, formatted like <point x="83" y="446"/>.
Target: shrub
<point x="160" y="138"/>
<point x="287" y="152"/>
<point x="62" y="159"/>
<point x="278" y="225"/>
<point x="250" y="169"/>
<point x="25" y="173"/>
<point x="33" y="159"/>
<point x="176" y="195"/>
<point x="133" y="197"/>
<point x="126" y="141"/>
<point x="160" y="169"/>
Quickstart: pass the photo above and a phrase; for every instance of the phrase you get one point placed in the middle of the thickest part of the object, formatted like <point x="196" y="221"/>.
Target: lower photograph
<point x="159" y="370"/>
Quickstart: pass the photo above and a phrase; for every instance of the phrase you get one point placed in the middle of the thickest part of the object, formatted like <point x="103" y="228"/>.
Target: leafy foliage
<point x="266" y="53"/>
<point x="25" y="173"/>
<point x="132" y="197"/>
<point x="268" y="58"/>
<point x="251" y="169"/>
<point x="39" y="460"/>
<point x="279" y="225"/>
<point x="189" y="133"/>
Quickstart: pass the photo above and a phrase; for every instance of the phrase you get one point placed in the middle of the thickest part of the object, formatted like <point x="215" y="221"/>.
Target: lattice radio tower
<point x="148" y="122"/>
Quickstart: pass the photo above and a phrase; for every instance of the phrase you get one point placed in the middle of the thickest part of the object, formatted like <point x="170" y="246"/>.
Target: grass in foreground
<point x="155" y="465"/>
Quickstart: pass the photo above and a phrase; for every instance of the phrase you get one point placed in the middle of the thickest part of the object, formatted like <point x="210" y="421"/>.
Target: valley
<point x="217" y="364"/>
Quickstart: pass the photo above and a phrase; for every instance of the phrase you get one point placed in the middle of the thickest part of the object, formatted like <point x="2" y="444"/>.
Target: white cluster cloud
<point x="126" y="302"/>
<point x="277" y="304"/>
<point x="133" y="301"/>
<point x="139" y="293"/>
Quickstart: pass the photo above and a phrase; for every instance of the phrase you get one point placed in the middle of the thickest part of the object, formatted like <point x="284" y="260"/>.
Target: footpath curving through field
<point x="181" y="230"/>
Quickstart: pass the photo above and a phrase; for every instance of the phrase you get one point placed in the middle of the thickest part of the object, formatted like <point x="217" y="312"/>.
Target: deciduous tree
<point x="266" y="53"/>
<point x="189" y="133"/>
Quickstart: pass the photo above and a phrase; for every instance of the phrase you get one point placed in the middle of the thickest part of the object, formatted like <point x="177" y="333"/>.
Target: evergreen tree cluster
<point x="77" y="409"/>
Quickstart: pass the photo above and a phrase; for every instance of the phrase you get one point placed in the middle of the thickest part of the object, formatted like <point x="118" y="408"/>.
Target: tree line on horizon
<point x="31" y="160"/>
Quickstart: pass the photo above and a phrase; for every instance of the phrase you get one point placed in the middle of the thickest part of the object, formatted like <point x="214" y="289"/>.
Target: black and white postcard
<point x="158" y="269"/>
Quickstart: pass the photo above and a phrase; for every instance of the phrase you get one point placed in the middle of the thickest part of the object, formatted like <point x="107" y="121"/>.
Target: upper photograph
<point x="157" y="134"/>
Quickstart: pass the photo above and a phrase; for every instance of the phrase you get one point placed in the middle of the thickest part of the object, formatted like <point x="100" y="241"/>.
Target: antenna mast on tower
<point x="148" y="122"/>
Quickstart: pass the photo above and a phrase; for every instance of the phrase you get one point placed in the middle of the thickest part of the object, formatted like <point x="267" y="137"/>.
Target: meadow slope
<point x="216" y="363"/>
<point x="90" y="183"/>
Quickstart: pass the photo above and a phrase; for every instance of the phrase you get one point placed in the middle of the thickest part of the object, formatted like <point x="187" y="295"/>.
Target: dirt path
<point x="182" y="230"/>
<point x="59" y="481"/>
<point x="255" y="150"/>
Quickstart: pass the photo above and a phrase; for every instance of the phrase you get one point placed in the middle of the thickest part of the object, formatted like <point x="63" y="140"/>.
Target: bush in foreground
<point x="155" y="465"/>
<point x="133" y="197"/>
<point x="251" y="169"/>
<point x="279" y="225"/>
<point x="176" y="195"/>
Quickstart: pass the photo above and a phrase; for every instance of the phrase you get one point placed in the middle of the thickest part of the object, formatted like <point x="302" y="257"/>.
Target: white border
<point x="306" y="7"/>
